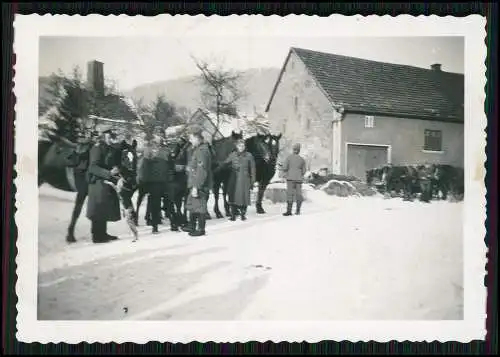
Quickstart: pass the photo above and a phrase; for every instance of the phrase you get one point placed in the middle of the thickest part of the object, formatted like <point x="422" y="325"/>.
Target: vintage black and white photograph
<point x="208" y="170"/>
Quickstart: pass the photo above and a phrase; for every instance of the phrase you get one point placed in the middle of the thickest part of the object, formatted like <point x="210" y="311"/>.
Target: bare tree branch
<point x="220" y="88"/>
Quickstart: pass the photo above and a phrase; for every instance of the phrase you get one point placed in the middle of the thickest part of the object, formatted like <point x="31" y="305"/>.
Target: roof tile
<point x="364" y="85"/>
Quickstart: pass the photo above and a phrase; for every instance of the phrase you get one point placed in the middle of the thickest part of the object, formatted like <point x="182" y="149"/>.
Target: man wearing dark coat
<point x="174" y="188"/>
<point x="199" y="171"/>
<point x="153" y="173"/>
<point x="103" y="204"/>
<point x="294" y="169"/>
<point x="424" y="176"/>
<point x="241" y="180"/>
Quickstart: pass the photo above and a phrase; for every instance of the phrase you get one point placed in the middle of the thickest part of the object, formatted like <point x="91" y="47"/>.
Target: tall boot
<point x="190" y="225"/>
<point x="200" y="230"/>
<point x="174" y="222"/>
<point x="99" y="232"/>
<point x="232" y="210"/>
<point x="289" y="206"/>
<point x="297" y="208"/>
<point x="105" y="231"/>
<point x="154" y="229"/>
<point x="243" y="213"/>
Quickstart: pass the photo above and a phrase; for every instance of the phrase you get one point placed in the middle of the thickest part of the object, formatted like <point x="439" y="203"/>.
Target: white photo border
<point x="27" y="31"/>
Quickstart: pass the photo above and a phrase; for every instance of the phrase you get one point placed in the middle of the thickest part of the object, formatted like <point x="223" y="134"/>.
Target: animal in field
<point x="63" y="165"/>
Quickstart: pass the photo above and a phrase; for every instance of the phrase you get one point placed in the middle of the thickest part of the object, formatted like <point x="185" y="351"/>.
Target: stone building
<point x="353" y="114"/>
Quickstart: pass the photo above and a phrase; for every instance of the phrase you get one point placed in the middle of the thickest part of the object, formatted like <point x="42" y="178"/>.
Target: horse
<point x="264" y="149"/>
<point x="221" y="149"/>
<point x="448" y="180"/>
<point x="63" y="165"/>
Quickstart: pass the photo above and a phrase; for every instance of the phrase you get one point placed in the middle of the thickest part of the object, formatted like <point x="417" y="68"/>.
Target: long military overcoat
<point x="199" y="171"/>
<point x="242" y="178"/>
<point x="103" y="203"/>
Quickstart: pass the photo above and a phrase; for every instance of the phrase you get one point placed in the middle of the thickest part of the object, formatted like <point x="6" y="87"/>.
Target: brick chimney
<point x="95" y="76"/>
<point x="436" y="67"/>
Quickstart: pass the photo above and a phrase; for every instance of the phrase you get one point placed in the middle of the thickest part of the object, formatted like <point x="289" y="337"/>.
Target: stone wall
<point x="301" y="111"/>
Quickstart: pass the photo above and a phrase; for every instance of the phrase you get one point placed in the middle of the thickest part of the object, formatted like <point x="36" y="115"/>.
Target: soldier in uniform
<point x="199" y="171"/>
<point x="424" y="176"/>
<point x="153" y="173"/>
<point x="242" y="178"/>
<point x="103" y="204"/>
<point x="294" y="169"/>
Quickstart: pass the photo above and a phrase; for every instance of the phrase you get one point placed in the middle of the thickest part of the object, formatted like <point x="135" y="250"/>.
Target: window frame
<point x="436" y="147"/>
<point x="369" y="121"/>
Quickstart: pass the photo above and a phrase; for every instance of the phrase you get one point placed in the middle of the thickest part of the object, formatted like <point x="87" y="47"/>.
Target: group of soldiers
<point x="104" y="202"/>
<point x="427" y="180"/>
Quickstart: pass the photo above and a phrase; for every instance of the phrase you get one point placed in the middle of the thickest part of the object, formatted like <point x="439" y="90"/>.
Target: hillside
<point x="184" y="92"/>
<point x="258" y="84"/>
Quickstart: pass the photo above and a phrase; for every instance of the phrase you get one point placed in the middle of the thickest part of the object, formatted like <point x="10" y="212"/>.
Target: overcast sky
<point x="135" y="61"/>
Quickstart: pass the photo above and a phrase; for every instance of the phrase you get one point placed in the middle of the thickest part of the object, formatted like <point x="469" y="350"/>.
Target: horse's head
<point x="128" y="157"/>
<point x="236" y="136"/>
<point x="177" y="151"/>
<point x="274" y="144"/>
<point x="259" y="147"/>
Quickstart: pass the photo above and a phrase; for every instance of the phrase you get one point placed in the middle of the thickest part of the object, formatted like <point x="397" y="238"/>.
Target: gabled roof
<point x="249" y="125"/>
<point x="203" y="117"/>
<point x="115" y="107"/>
<point x="365" y="86"/>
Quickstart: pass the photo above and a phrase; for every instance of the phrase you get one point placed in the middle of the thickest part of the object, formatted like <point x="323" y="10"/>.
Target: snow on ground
<point x="344" y="258"/>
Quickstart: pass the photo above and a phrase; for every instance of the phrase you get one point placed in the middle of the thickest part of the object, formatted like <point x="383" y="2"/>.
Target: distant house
<point x="208" y="122"/>
<point x="353" y="114"/>
<point x="109" y="109"/>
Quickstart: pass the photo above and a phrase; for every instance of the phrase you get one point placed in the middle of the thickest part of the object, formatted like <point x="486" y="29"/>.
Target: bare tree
<point x="221" y="89"/>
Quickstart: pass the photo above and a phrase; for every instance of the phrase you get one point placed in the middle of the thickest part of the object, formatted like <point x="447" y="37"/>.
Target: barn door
<point x="376" y="156"/>
<point x="361" y="158"/>
<point x="356" y="156"/>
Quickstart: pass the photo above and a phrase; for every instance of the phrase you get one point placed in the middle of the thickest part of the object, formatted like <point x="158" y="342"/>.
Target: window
<point x="433" y="140"/>
<point x="369" y="121"/>
<point x="296" y="103"/>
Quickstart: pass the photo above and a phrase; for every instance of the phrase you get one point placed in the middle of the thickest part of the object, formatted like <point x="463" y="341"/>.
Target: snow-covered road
<point x="344" y="258"/>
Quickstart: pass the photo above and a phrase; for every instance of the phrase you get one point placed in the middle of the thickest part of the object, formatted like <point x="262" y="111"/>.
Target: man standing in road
<point x="103" y="204"/>
<point x="199" y="172"/>
<point x="294" y="169"/>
